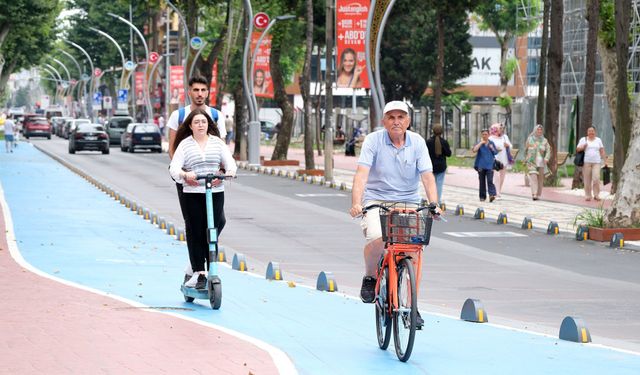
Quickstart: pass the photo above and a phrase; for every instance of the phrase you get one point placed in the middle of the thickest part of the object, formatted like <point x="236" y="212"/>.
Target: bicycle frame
<point x="393" y="254"/>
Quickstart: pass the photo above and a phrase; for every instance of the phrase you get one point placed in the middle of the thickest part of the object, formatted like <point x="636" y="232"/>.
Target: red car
<point x="36" y="126"/>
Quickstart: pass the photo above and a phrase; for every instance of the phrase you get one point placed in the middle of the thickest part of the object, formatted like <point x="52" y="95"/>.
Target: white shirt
<point x="499" y="142"/>
<point x="8" y="127"/>
<point x="592" y="152"/>
<point x="172" y="123"/>
<point x="190" y="157"/>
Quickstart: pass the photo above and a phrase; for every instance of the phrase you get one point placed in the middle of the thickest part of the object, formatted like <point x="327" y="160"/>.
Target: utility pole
<point x="328" y="111"/>
<point x="132" y="92"/>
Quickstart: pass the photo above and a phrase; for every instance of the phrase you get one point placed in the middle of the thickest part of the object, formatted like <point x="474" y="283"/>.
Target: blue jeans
<point x="486" y="179"/>
<point x="439" y="182"/>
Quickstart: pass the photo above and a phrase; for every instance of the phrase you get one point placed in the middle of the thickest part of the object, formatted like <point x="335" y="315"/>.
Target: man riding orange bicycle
<point x="393" y="161"/>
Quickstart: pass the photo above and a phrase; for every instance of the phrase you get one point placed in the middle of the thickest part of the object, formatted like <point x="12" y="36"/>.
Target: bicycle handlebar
<point x="431" y="207"/>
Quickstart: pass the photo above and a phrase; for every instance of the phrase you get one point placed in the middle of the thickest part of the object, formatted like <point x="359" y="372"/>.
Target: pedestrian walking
<point x="439" y="151"/>
<point x="594" y="155"/>
<point x="9" y="128"/>
<point x="503" y="144"/>
<point x="228" y="124"/>
<point x="485" y="158"/>
<point x="536" y="160"/>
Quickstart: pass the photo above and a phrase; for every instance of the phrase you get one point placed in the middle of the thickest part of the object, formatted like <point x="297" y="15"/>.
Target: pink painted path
<point x="50" y="328"/>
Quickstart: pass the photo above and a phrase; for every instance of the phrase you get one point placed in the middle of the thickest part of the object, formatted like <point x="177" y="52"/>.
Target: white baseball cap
<point x="396" y="105"/>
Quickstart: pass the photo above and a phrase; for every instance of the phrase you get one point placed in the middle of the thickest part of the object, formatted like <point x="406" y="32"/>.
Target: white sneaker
<point x="188" y="270"/>
<point x="191" y="283"/>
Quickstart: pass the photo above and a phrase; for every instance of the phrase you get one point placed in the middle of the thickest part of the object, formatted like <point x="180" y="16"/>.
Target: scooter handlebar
<point x="211" y="176"/>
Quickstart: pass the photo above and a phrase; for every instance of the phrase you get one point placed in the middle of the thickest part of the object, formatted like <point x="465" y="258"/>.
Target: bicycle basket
<point x="403" y="225"/>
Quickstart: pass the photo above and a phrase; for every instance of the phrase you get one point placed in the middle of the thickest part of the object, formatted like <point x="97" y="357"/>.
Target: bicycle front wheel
<point x="406" y="316"/>
<point x="383" y="320"/>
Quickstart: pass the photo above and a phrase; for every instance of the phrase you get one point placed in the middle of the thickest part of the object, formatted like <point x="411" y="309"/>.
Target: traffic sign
<point x="196" y="42"/>
<point x="261" y="20"/>
<point x="129" y="65"/>
<point x="97" y="72"/>
<point x="123" y="94"/>
<point x="107" y="103"/>
<point x="153" y="57"/>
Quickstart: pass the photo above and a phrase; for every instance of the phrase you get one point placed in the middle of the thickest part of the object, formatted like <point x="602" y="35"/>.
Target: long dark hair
<point x="184" y="130"/>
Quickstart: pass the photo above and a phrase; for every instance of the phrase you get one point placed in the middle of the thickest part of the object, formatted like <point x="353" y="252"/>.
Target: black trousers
<point x="194" y="212"/>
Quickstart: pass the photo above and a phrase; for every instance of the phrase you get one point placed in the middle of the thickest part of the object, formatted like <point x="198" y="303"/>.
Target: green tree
<point x="409" y="55"/>
<point x="506" y="20"/>
<point x="459" y="7"/>
<point x="26" y="34"/>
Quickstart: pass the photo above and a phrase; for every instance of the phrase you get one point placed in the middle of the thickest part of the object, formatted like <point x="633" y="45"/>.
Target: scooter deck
<point x="194" y="293"/>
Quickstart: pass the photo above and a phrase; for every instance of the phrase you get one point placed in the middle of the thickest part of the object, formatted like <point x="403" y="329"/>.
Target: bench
<point x="562" y="161"/>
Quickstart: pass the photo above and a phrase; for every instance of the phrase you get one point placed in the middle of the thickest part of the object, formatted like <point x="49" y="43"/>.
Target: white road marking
<point x="321" y="195"/>
<point x="485" y="234"/>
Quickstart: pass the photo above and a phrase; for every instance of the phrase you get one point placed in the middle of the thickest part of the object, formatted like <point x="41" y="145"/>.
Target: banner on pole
<point x="176" y="80"/>
<point x="262" y="84"/>
<point x="213" y="86"/>
<point x="139" y="85"/>
<point x="351" y="27"/>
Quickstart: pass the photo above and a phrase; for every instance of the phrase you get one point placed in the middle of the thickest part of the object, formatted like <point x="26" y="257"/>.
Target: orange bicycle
<point x="405" y="231"/>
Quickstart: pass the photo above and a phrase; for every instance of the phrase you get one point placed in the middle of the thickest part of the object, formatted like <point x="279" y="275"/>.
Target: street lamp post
<point x="254" y="132"/>
<point x="91" y="84"/>
<point x="378" y="85"/>
<point x="146" y="50"/>
<point x="186" y="42"/>
<point x="84" y="112"/>
<point x="64" y="67"/>
<point x="49" y="66"/>
<point x="153" y="71"/>
<point x="55" y="78"/>
<point x="254" y="125"/>
<point x="122" y="81"/>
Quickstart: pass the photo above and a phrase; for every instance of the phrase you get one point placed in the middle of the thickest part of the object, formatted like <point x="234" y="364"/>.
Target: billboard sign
<point x="351" y="27"/>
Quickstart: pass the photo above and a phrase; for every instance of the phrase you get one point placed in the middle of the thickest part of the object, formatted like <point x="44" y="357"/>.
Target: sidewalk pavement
<point x="559" y="204"/>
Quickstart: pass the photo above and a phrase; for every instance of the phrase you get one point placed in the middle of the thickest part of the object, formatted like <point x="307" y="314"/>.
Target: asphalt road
<point x="525" y="279"/>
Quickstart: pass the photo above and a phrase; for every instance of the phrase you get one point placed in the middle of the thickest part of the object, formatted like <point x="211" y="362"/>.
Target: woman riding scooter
<point x="199" y="150"/>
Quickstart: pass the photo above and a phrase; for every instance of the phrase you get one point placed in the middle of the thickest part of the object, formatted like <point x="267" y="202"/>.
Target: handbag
<point x="497" y="165"/>
<point x="606" y="175"/>
<point x="578" y="161"/>
<point x="509" y="156"/>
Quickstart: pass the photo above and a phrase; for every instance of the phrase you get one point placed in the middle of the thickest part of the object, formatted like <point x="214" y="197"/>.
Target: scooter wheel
<point x="214" y="288"/>
<point x="188" y="299"/>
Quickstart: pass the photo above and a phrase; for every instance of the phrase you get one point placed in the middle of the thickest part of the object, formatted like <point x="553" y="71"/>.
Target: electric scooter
<point x="213" y="292"/>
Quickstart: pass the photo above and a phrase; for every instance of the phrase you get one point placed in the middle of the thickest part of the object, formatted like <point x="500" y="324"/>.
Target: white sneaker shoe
<point x="188" y="270"/>
<point x="191" y="283"/>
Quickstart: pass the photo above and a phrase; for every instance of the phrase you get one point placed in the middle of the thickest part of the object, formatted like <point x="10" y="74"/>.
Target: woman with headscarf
<point x="502" y="142"/>
<point x="536" y="159"/>
<point x="439" y="151"/>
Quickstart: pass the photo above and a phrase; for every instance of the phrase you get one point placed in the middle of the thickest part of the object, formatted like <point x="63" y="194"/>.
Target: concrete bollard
<point x="617" y="241"/>
<point x="526" y="223"/>
<point x="473" y="311"/>
<point x="273" y="271"/>
<point x="574" y="329"/>
<point x="326" y="282"/>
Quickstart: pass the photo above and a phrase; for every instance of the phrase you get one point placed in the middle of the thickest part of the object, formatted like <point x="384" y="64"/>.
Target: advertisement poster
<point x="176" y="80"/>
<point x="213" y="87"/>
<point x="351" y="27"/>
<point x="139" y="84"/>
<point x="262" y="84"/>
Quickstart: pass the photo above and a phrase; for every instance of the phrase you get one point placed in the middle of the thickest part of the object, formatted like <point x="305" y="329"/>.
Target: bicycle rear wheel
<point x="405" y="318"/>
<point x="383" y="320"/>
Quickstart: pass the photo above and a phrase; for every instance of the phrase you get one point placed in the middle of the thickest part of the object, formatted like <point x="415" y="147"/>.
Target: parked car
<point x="141" y="136"/>
<point x="116" y="126"/>
<point x="71" y="125"/>
<point x="268" y="128"/>
<point x="87" y="136"/>
<point x="36" y="126"/>
<point x="57" y="122"/>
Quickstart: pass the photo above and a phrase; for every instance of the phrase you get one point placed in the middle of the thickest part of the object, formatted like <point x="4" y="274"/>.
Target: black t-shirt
<point x="439" y="162"/>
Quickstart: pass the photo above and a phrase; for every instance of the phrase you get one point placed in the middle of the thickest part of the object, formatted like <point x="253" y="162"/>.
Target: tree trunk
<point x="239" y="119"/>
<point x="542" y="74"/>
<point x="586" y="119"/>
<point x="4" y="77"/>
<point x="305" y="83"/>
<point x="608" y="66"/>
<point x="504" y="48"/>
<point x="625" y="209"/>
<point x="280" y="96"/>
<point x="224" y="62"/>
<point x="439" y="78"/>
<point x="623" y="119"/>
<point x="317" y="105"/>
<point x="554" y="80"/>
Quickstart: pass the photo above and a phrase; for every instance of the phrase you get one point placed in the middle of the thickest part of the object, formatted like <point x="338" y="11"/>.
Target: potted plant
<point x="595" y="220"/>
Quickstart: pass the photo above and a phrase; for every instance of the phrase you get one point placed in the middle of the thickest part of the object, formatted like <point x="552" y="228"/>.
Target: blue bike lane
<point x="67" y="228"/>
